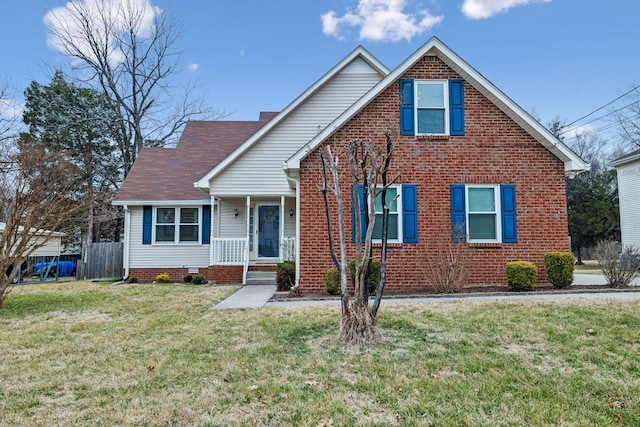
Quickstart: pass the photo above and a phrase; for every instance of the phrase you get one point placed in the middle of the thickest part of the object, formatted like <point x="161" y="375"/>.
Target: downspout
<point x="297" y="284"/>
<point x="127" y="241"/>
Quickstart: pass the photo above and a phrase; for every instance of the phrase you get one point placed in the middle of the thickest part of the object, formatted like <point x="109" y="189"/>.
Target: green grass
<point x="591" y="268"/>
<point x="101" y="354"/>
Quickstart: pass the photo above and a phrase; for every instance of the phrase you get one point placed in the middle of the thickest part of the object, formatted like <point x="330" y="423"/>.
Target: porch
<point x="253" y="232"/>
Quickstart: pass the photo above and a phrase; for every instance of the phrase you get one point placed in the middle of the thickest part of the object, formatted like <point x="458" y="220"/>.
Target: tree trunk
<point x="358" y="325"/>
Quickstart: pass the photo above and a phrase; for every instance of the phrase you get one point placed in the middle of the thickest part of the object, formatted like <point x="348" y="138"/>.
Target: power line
<point x="600" y="108"/>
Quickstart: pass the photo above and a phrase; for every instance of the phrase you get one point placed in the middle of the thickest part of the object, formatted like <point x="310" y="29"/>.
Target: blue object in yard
<point x="66" y="268"/>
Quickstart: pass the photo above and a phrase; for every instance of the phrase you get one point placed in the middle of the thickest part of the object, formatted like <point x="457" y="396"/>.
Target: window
<point x="431" y="107"/>
<point x="483" y="222"/>
<point x="183" y="220"/>
<point x="395" y="221"/>
<point x="403" y="214"/>
<point x="484" y="213"/>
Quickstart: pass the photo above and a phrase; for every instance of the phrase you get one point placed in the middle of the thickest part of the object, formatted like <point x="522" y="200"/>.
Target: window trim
<point x="498" y="212"/>
<point x="177" y="224"/>
<point x="399" y="212"/>
<point x="447" y="107"/>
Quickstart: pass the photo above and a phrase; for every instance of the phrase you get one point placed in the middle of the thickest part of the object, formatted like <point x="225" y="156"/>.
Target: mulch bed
<point x="466" y="291"/>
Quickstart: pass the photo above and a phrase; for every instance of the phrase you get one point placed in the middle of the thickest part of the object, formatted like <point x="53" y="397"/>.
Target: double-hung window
<point x="394" y="201"/>
<point x="403" y="214"/>
<point x="483" y="221"/>
<point x="484" y="213"/>
<point x="432" y="107"/>
<point x="177" y="225"/>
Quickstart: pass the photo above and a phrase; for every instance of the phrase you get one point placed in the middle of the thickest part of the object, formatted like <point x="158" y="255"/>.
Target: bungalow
<point x="628" y="171"/>
<point x="237" y="197"/>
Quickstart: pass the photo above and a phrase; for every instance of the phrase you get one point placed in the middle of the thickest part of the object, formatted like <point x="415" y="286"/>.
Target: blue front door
<point x="268" y="231"/>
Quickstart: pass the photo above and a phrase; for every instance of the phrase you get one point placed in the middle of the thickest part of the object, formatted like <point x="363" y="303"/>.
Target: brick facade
<point x="493" y="150"/>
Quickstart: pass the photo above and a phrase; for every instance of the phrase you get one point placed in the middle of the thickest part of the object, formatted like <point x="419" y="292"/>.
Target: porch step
<point x="259" y="277"/>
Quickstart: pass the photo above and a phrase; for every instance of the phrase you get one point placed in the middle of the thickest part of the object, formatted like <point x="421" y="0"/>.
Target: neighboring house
<point x="467" y="156"/>
<point x="628" y="170"/>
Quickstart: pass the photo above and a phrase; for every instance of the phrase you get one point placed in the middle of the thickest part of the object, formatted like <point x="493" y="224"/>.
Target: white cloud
<point x="64" y="20"/>
<point x="193" y="66"/>
<point x="481" y="9"/>
<point x="10" y="109"/>
<point x="380" y="20"/>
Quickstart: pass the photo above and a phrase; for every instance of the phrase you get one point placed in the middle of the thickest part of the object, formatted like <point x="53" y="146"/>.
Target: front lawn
<point x="82" y="353"/>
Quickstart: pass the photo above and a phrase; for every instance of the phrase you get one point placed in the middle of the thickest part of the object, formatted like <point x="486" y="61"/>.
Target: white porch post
<point x="211" y="245"/>
<point x="281" y="225"/>
<point x="245" y="270"/>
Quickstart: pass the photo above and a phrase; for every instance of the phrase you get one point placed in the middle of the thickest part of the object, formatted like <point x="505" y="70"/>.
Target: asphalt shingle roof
<point x="168" y="174"/>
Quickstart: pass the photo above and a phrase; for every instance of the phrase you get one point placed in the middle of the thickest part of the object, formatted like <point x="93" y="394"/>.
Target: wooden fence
<point x="104" y="260"/>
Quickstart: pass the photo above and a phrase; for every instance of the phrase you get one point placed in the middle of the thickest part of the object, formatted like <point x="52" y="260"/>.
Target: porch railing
<point x="229" y="251"/>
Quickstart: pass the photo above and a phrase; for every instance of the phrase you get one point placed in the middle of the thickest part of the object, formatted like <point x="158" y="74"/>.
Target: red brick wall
<point x="493" y="150"/>
<point x="215" y="274"/>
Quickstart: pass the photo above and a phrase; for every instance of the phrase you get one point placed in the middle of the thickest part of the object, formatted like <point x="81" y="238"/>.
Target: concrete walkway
<point x="256" y="296"/>
<point x="249" y="296"/>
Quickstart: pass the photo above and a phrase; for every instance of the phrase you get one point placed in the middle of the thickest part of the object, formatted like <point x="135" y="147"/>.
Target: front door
<point x="268" y="231"/>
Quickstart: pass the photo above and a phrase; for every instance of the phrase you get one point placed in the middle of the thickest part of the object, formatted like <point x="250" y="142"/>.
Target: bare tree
<point x="127" y="48"/>
<point x="368" y="165"/>
<point x="628" y="119"/>
<point x="37" y="201"/>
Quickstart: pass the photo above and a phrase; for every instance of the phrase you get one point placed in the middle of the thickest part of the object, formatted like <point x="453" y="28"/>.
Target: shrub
<point x="559" y="267"/>
<point x="187" y="279"/>
<point x="619" y="263"/>
<point x="374" y="275"/>
<point x="285" y="275"/>
<point x="163" y="278"/>
<point x="199" y="280"/>
<point x="332" y="280"/>
<point x="447" y="261"/>
<point x="521" y="275"/>
<point x="132" y="279"/>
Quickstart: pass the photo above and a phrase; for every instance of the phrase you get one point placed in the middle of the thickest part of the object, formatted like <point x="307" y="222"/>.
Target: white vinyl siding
<point x="259" y="170"/>
<point x="164" y="255"/>
<point x="629" y="195"/>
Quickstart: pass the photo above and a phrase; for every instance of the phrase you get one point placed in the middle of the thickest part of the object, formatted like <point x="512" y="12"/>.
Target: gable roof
<point x="627" y="158"/>
<point x="167" y="174"/>
<point x="572" y="162"/>
<point x="359" y="52"/>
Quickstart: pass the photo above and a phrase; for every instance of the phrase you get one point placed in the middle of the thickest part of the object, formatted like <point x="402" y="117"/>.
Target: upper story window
<point x="177" y="225"/>
<point x="431" y="107"/>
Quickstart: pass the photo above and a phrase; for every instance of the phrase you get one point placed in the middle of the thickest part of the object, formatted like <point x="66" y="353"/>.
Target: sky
<point x="555" y="58"/>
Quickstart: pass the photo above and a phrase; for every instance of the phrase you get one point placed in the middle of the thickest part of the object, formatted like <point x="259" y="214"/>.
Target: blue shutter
<point x="456" y="107"/>
<point x="353" y="213"/>
<point x="147" y="223"/>
<point x="458" y="212"/>
<point x="409" y="213"/>
<point x="407" y="126"/>
<point x="508" y="206"/>
<point x="206" y="224"/>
